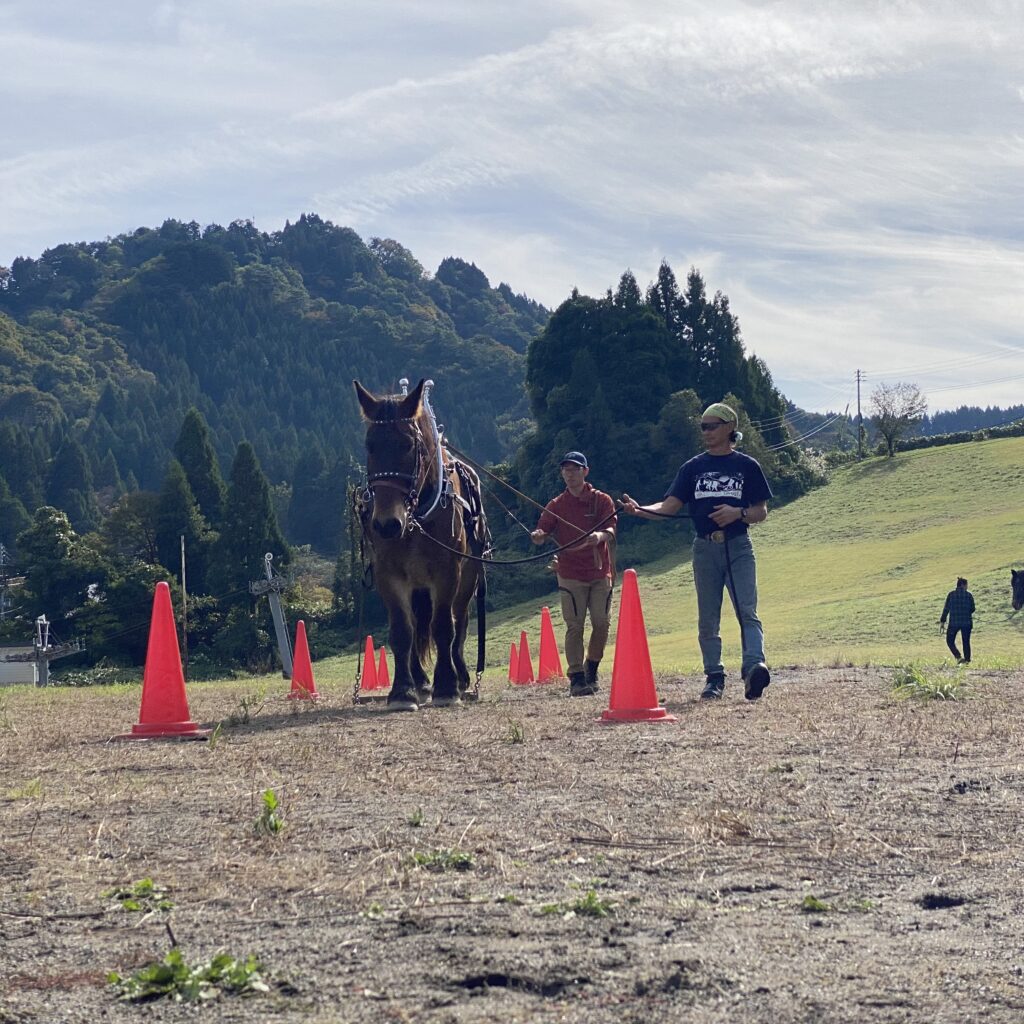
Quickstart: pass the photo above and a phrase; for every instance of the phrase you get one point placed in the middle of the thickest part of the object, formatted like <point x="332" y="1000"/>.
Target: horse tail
<point x="422" y="613"/>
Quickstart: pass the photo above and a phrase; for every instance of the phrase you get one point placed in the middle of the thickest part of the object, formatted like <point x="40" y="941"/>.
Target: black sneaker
<point x="590" y="671"/>
<point x="714" y="687"/>
<point x="757" y="679"/>
<point x="579" y="687"/>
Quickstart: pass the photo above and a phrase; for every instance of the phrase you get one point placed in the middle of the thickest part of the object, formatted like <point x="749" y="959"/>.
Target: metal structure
<point x="43" y="653"/>
<point x="272" y="587"/>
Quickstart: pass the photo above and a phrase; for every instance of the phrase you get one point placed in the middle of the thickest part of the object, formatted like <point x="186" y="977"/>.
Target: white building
<point x="12" y="672"/>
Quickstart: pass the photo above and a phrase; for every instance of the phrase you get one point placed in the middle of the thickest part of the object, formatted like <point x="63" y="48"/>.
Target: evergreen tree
<point x="13" y="517"/>
<point x="194" y="450"/>
<point x="70" y="486"/>
<point x="177" y="516"/>
<point x="249" y="529"/>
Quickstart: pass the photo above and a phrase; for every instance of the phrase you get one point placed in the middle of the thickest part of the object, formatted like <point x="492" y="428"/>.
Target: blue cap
<point x="577" y="457"/>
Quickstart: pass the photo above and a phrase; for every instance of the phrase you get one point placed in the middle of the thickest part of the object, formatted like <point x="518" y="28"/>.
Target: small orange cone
<point x="383" y="676"/>
<point x="303" y="686"/>
<point x="513" y="663"/>
<point x="164" y="710"/>
<point x="549" y="662"/>
<point x="368" y="680"/>
<point x="524" y="676"/>
<point x="633" y="697"/>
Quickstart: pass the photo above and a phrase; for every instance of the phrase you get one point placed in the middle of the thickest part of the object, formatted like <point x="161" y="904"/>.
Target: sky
<point x="850" y="175"/>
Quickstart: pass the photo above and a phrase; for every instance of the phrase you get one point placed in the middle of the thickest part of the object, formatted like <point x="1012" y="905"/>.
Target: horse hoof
<point x="447" y="702"/>
<point x="402" y="705"/>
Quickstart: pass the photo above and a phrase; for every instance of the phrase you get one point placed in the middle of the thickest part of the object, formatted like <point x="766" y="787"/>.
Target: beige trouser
<point x="577" y="599"/>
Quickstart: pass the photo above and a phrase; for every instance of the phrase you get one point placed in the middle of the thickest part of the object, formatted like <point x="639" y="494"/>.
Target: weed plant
<point x="172" y="978"/>
<point x="913" y="682"/>
<point x="144" y="895"/>
<point x="443" y="860"/>
<point x="269" y="823"/>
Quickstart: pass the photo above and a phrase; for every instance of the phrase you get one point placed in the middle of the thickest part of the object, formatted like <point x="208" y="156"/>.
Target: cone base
<point x="657" y="714"/>
<point x="165" y="730"/>
<point x="302" y="694"/>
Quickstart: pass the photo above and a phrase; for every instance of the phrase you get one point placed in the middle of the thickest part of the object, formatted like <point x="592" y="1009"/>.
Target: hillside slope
<point x="857" y="570"/>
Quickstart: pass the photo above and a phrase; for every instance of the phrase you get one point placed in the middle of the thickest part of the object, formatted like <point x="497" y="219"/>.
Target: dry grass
<point x="429" y="864"/>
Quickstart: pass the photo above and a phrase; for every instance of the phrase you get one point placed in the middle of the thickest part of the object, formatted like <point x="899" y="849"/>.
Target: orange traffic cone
<point x="524" y="675"/>
<point x="633" y="698"/>
<point x="303" y="686"/>
<point x="383" y="676"/>
<point x="513" y="663"/>
<point x="368" y="680"/>
<point x="164" y="710"/>
<point x="549" y="662"/>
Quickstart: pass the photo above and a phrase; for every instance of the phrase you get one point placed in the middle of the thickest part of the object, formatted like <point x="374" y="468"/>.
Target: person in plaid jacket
<point x="959" y="609"/>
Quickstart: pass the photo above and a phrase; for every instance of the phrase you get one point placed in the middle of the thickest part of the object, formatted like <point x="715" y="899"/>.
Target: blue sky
<point x="850" y="174"/>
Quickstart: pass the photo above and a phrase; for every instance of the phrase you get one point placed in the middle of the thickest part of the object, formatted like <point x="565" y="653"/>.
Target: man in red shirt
<point x="584" y="570"/>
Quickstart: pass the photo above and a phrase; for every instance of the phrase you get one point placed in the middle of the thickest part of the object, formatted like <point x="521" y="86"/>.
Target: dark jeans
<point x="965" y="635"/>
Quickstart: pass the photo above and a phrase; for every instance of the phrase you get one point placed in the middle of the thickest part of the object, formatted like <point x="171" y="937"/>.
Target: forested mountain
<point x="105" y="346"/>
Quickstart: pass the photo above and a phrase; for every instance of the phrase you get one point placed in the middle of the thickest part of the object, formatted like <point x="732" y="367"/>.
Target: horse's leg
<point x="403" y="687"/>
<point x="421" y="611"/>
<point x="460" y="613"/>
<point x="443" y="630"/>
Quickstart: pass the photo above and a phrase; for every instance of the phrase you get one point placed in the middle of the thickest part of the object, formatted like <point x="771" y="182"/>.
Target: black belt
<point x="716" y="536"/>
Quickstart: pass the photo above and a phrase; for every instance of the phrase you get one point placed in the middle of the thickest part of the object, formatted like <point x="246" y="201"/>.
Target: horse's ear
<point x="366" y="401"/>
<point x="412" y="404"/>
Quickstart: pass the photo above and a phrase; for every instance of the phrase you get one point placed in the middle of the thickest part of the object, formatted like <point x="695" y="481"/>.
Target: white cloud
<point x="848" y="173"/>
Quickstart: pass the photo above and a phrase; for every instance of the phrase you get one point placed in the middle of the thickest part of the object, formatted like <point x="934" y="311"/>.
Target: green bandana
<point x="724" y="412"/>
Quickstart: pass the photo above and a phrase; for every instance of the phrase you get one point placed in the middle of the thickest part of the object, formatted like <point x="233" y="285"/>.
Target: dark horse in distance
<point x="421" y="512"/>
<point x="1017" y="582"/>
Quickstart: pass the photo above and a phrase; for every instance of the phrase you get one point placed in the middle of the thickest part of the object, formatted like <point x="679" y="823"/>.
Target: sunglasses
<point x="712" y="426"/>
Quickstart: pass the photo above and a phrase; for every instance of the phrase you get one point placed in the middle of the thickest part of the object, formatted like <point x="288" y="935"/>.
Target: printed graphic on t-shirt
<point x="718" y="485"/>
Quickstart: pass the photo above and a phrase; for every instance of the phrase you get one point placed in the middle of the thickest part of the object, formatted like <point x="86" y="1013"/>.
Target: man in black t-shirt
<point x="726" y="491"/>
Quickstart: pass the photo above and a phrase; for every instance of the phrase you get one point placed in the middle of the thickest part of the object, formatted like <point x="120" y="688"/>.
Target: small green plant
<point x="515" y="732"/>
<point x="269" y="823"/>
<point x="510" y="898"/>
<point x="415" y="819"/>
<point x="249" y="706"/>
<point x="812" y="905"/>
<point x="173" y="978"/>
<point x="215" y="736"/>
<point x="785" y="768"/>
<point x="30" y="791"/>
<point x="143" y="896"/>
<point x="374" y="910"/>
<point x="591" y="905"/>
<point x="913" y="682"/>
<point x="443" y="860"/>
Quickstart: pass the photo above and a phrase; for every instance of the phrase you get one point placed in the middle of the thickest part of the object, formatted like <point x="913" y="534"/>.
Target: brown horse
<point x="420" y="502"/>
<point x="1017" y="583"/>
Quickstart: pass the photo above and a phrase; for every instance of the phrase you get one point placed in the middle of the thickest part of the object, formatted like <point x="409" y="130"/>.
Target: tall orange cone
<point x="633" y="698"/>
<point x="164" y="710"/>
<point x="524" y="676"/>
<point x="549" y="662"/>
<point x="383" y="676"/>
<point x="368" y="680"/>
<point x="303" y="686"/>
<point x="513" y="663"/>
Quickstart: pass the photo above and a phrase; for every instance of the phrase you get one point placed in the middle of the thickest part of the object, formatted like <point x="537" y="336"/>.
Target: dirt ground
<point x="825" y="854"/>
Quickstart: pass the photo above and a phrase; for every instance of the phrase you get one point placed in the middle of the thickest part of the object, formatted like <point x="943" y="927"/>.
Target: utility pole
<point x="860" y="420"/>
<point x="184" y="612"/>
<point x="5" y="583"/>
<point x="272" y="587"/>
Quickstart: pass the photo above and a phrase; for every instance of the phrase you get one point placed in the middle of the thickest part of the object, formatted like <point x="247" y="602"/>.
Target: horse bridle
<point x="409" y="482"/>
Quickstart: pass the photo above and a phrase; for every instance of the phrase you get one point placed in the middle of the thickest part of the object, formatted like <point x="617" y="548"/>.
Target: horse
<point x="1017" y="584"/>
<point x="421" y="513"/>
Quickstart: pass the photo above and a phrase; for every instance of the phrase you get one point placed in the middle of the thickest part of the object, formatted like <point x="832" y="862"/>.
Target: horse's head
<point x="396" y="456"/>
<point x="1017" y="582"/>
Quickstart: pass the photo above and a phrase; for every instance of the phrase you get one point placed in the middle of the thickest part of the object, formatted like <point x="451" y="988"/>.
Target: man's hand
<point x="538" y="536"/>
<point x="627" y="504"/>
<point x="726" y="514"/>
<point x="596" y="538"/>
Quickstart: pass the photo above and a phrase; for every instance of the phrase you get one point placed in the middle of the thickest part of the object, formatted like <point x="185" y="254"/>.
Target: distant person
<point x="584" y="570"/>
<point x="959" y="609"/>
<point x="726" y="491"/>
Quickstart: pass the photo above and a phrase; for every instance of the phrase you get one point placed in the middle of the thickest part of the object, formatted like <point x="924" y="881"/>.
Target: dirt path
<point x="827" y="854"/>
